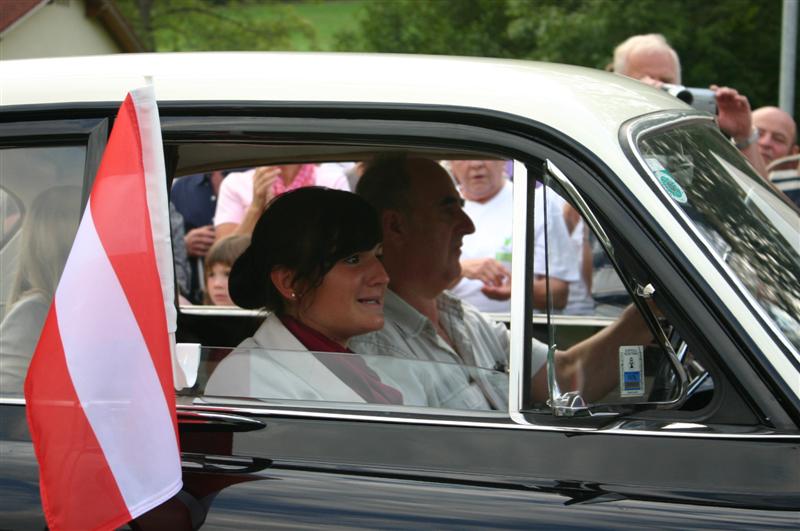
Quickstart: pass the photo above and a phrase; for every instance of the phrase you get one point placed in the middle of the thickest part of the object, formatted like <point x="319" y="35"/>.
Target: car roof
<point x="543" y="90"/>
<point x="585" y="104"/>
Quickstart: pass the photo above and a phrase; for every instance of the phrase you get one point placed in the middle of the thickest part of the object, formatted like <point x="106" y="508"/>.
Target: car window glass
<point x="45" y="183"/>
<point x="465" y="372"/>
<point x="633" y="368"/>
<point x="299" y="375"/>
<point x="10" y="216"/>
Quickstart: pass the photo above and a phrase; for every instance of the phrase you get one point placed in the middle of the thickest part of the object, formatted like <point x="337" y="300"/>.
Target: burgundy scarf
<point x="349" y="368"/>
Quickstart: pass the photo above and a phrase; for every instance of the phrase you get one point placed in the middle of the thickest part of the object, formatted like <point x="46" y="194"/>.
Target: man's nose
<point x="467" y="226"/>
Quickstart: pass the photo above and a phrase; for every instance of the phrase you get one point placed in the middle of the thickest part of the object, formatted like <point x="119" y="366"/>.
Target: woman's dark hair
<point x="306" y="230"/>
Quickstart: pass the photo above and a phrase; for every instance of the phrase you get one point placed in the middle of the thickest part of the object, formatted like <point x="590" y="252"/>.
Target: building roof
<point x="104" y="11"/>
<point x="14" y="11"/>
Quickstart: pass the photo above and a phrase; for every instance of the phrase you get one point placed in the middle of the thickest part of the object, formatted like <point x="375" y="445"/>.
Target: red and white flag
<point x="99" y="396"/>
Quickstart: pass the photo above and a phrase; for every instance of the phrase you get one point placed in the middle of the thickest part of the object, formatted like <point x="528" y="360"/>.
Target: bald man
<point x="424" y="225"/>
<point x="777" y="136"/>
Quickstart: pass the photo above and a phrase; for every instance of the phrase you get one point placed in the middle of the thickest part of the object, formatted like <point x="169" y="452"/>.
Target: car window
<point x="633" y="360"/>
<point x="270" y="374"/>
<point x="563" y="275"/>
<point x="419" y="371"/>
<point x="42" y="189"/>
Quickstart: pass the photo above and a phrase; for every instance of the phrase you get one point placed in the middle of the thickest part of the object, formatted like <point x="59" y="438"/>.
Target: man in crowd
<point x="777" y="135"/>
<point x="650" y="59"/>
<point x="485" y="280"/>
<point x="423" y="228"/>
<point x="777" y="139"/>
<point x="195" y="198"/>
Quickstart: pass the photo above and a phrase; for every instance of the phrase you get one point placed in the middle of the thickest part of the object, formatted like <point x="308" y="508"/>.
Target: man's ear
<point x="394" y="225"/>
<point x="283" y="280"/>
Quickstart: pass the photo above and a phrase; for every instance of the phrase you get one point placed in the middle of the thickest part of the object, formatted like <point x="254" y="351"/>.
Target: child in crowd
<point x="218" y="263"/>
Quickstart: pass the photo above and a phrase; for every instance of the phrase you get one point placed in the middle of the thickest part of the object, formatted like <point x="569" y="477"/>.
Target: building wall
<point x="60" y="28"/>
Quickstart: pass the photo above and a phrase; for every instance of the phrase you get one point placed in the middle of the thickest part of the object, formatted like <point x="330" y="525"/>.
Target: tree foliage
<point x="193" y="25"/>
<point x="734" y="43"/>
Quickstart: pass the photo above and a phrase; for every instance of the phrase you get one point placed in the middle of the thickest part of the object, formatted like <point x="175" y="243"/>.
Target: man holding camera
<point x="650" y="59"/>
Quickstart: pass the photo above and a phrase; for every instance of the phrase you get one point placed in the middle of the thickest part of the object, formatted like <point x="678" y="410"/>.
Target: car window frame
<point x="392" y="129"/>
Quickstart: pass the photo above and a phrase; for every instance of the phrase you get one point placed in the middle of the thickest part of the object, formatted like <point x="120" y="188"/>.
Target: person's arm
<point x="487" y="270"/>
<point x="263" y="180"/>
<point x="592" y="366"/>
<point x="562" y="260"/>
<point x="734" y="117"/>
<point x="559" y="293"/>
<point x="224" y="229"/>
<point x="494" y="275"/>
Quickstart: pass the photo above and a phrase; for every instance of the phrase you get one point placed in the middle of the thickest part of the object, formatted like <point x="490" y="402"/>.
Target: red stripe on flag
<point x="58" y="427"/>
<point x="127" y="238"/>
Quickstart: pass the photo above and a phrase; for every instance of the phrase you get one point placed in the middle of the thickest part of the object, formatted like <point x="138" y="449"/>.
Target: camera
<point x="699" y="98"/>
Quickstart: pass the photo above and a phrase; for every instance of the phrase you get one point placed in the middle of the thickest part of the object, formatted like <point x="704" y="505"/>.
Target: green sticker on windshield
<point x="671" y="186"/>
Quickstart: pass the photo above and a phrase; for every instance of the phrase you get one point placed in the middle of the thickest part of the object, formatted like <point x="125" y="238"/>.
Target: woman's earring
<point x="293" y="295"/>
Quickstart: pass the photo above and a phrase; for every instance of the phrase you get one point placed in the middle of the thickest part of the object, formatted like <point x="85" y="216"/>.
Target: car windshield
<point x="741" y="218"/>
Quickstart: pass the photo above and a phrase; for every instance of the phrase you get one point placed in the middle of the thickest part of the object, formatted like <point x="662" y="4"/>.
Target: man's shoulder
<point x="458" y="308"/>
<point x="188" y="181"/>
<point x="388" y="341"/>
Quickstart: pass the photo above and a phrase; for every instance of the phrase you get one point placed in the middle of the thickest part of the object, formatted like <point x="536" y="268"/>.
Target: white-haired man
<point x="650" y="59"/>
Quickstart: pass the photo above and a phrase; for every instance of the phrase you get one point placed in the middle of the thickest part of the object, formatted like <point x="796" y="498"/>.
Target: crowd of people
<point x="767" y="136"/>
<point x="215" y="205"/>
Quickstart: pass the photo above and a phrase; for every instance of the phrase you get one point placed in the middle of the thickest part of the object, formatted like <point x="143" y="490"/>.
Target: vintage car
<point x="709" y="435"/>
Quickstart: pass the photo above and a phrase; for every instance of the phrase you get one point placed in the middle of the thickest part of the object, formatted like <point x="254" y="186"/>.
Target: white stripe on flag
<point x="144" y="102"/>
<point x="109" y="365"/>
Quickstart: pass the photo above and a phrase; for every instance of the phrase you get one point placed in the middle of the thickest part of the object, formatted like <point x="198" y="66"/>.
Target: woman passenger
<point x="47" y="235"/>
<point x="314" y="264"/>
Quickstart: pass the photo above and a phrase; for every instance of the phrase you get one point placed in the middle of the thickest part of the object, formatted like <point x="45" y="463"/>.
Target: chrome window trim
<point x="266" y="411"/>
<point x="225" y="311"/>
<point x="513" y="425"/>
<point x="584" y="209"/>
<point x="519" y="292"/>
<point x="634" y="130"/>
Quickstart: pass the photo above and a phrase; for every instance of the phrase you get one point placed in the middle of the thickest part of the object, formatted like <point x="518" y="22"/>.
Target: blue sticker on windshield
<point x="667" y="181"/>
<point x="631" y="370"/>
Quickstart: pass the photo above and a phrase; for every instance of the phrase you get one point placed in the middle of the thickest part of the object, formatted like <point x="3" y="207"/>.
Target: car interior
<point x="217" y="330"/>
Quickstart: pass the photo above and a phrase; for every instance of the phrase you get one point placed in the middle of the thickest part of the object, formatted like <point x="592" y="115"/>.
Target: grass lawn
<point x="328" y="17"/>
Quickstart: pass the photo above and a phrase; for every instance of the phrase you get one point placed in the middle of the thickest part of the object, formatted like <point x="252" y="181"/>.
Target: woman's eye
<point x="352" y="259"/>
